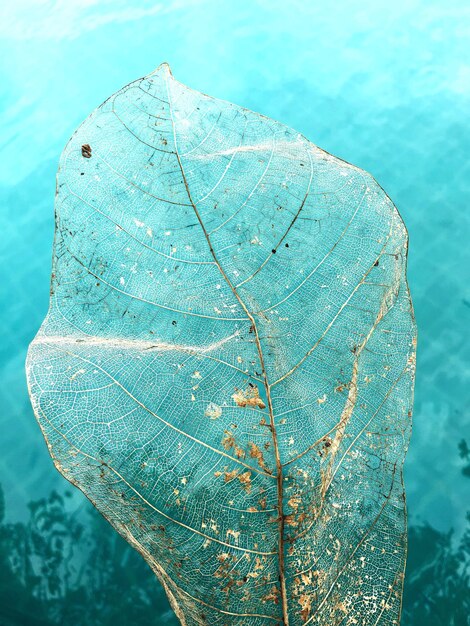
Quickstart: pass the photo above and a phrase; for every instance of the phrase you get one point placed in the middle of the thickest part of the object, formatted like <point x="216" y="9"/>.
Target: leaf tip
<point x="163" y="68"/>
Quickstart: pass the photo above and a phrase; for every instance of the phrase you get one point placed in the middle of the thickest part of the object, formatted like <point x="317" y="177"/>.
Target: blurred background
<point x="384" y="85"/>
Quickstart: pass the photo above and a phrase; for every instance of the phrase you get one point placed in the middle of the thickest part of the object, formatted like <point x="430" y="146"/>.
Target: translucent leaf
<point x="226" y="368"/>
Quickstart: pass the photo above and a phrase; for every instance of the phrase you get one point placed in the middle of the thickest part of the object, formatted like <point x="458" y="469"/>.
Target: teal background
<point x="383" y="85"/>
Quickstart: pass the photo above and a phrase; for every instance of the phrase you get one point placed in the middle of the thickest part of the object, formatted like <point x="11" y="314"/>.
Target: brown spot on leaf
<point x="272" y="596"/>
<point x="256" y="453"/>
<point x="245" y="480"/>
<point x="230" y="475"/>
<point x="239" y="453"/>
<point x="305" y="602"/>
<point x="228" y="440"/>
<point x="249" y="397"/>
<point x="86" y="151"/>
<point x="294" y="501"/>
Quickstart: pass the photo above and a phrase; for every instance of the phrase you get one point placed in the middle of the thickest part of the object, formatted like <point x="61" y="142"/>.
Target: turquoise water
<point x="384" y="87"/>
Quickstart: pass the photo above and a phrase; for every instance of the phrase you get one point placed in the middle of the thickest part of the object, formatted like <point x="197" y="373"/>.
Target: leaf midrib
<point x="251" y="319"/>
